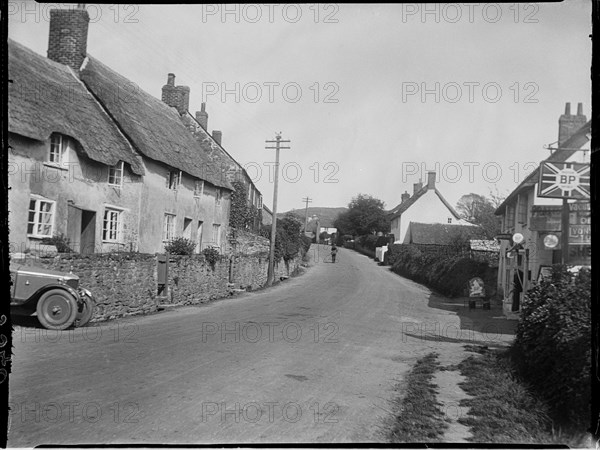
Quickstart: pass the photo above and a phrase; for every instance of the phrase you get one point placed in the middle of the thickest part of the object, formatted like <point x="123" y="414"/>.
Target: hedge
<point x="552" y="349"/>
<point x="447" y="273"/>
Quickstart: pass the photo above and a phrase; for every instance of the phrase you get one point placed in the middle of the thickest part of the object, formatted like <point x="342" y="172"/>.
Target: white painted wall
<point x="427" y="209"/>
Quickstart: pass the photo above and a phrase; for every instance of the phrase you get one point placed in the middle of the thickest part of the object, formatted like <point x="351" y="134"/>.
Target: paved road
<point x="314" y="359"/>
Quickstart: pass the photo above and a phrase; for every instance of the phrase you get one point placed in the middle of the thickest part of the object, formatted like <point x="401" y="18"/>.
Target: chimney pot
<point x="202" y="116"/>
<point x="217" y="136"/>
<point x="568" y="124"/>
<point x="405" y="196"/>
<point x="417" y="187"/>
<point x="171" y="79"/>
<point x="430" y="180"/>
<point x="67" y="39"/>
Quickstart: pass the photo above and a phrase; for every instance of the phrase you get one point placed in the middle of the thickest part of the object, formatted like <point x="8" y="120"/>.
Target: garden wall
<point x="125" y="284"/>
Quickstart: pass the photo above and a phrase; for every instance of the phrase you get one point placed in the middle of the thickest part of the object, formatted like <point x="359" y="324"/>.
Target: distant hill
<point x="326" y="215"/>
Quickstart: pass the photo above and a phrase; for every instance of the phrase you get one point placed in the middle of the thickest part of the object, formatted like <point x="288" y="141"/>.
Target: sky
<point x="371" y="96"/>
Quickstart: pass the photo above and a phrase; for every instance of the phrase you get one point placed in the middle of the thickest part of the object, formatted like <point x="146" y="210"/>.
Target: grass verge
<point x="502" y="410"/>
<point x="420" y="419"/>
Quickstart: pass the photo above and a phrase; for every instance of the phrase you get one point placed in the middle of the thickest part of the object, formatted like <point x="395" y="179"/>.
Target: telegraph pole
<point x="307" y="201"/>
<point x="278" y="141"/>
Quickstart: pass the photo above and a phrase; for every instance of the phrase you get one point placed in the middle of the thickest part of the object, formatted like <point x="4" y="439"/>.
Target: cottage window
<point x="522" y="209"/>
<point x="198" y="188"/>
<point x="449" y="219"/>
<point x="219" y="196"/>
<point x="111" y="225"/>
<point x="115" y="175"/>
<point x="510" y="217"/>
<point x="216" y="237"/>
<point x="174" y="179"/>
<point x="260" y="201"/>
<point x="58" y="148"/>
<point x="169" y="227"/>
<point x="40" y="222"/>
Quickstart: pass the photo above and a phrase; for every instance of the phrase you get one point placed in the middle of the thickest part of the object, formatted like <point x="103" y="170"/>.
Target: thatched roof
<point x="154" y="128"/>
<point x="46" y="97"/>
<point x="442" y="234"/>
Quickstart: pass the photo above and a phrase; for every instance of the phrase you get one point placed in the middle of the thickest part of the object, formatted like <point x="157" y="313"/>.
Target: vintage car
<point x="55" y="297"/>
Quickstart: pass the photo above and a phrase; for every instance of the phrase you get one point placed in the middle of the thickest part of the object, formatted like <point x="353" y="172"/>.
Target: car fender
<point x="32" y="301"/>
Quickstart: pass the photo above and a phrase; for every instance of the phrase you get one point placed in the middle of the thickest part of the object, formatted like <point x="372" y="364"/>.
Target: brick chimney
<point x="405" y="196"/>
<point x="430" y="180"/>
<point x="417" y="187"/>
<point x="217" y="136"/>
<point x="202" y="117"/>
<point x="176" y="96"/>
<point x="568" y="124"/>
<point x="67" y="39"/>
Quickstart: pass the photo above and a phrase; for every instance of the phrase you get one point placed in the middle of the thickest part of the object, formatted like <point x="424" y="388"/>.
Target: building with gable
<point x="535" y="217"/>
<point x="427" y="205"/>
<point x="103" y="163"/>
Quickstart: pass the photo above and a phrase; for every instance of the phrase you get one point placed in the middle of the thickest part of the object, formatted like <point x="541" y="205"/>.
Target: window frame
<point x="522" y="206"/>
<point x="217" y="228"/>
<point x="198" y="192"/>
<point x="36" y="216"/>
<point x="167" y="229"/>
<point x="218" y="195"/>
<point x="119" y="225"/>
<point x="120" y="170"/>
<point x="173" y="179"/>
<point x="62" y="148"/>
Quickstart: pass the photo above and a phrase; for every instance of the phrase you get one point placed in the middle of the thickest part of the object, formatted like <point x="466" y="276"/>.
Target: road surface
<point x="317" y="358"/>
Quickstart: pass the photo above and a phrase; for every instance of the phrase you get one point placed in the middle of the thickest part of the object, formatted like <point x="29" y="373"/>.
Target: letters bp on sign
<point x="564" y="180"/>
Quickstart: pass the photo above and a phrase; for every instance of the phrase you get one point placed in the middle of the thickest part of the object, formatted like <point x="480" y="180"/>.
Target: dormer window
<point x="174" y="179"/>
<point x="58" y="148"/>
<point x="198" y="188"/>
<point x="115" y="175"/>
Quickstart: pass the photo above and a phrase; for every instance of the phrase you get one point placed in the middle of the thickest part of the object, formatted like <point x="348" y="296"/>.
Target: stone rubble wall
<point x="125" y="284"/>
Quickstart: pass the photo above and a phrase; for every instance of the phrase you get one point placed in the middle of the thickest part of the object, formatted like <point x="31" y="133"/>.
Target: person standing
<point x="333" y="252"/>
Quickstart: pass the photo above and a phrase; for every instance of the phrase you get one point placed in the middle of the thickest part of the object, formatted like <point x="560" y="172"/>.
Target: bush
<point x="180" y="246"/>
<point x="60" y="241"/>
<point x="211" y="255"/>
<point x="552" y="344"/>
<point x="446" y="272"/>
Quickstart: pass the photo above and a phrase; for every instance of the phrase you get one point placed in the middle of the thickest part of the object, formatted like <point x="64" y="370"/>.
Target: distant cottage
<point x="97" y="160"/>
<point x="427" y="205"/>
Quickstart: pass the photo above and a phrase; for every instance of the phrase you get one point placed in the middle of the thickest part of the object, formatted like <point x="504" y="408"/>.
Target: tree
<point x="479" y="210"/>
<point x="365" y="215"/>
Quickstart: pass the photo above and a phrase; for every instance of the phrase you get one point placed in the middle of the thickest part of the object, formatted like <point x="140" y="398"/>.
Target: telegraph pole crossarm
<point x="306" y="200"/>
<point x="278" y="141"/>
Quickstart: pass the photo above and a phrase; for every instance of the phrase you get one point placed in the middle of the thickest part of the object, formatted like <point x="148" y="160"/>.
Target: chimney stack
<point x="568" y="124"/>
<point x="417" y="187"/>
<point x="67" y="39"/>
<point x="202" y="117"/>
<point x="217" y="136"/>
<point x="430" y="180"/>
<point x="405" y="196"/>
<point x="176" y="96"/>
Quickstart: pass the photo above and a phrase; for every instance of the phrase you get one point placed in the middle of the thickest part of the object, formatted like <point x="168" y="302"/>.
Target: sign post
<point x="566" y="181"/>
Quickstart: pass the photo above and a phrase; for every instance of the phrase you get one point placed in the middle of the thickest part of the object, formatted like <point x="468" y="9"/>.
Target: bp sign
<point x="564" y="180"/>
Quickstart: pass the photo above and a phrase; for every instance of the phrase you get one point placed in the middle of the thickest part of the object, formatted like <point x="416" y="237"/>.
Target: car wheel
<point x="56" y="309"/>
<point x="85" y="310"/>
